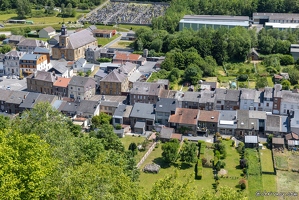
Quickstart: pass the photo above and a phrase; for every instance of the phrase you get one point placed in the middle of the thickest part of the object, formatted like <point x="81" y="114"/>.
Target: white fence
<point x="146" y="155"/>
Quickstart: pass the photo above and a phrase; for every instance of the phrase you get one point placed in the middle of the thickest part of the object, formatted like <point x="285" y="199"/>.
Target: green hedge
<point x="198" y="170"/>
<point x="202" y="148"/>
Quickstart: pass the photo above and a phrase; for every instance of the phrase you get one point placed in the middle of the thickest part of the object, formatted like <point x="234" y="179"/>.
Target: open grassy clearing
<point x="255" y="180"/>
<point x="104" y="41"/>
<point x="127" y="140"/>
<point x="266" y="160"/>
<point x="288" y="182"/>
<point x="270" y="184"/>
<point x="122" y="44"/>
<point x="232" y="161"/>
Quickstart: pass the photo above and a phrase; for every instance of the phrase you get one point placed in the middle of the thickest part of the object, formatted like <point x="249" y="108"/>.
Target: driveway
<point x="14" y="84"/>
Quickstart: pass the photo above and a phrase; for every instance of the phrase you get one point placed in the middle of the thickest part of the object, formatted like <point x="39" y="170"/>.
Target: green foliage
<point x="118" y="127"/>
<point x="286" y="85"/>
<point x="2" y="37"/>
<point x="133" y="148"/>
<point x="23" y="8"/>
<point x="261" y="82"/>
<point x="243" y="77"/>
<point x="104" y="60"/>
<point x="80" y="73"/>
<point x="170" y="150"/>
<point x="5" y="48"/>
<point x="188" y="152"/>
<point x="88" y="73"/>
<point x="193" y="74"/>
<point x="74" y="129"/>
<point x="100" y="119"/>
<point x="26" y="163"/>
<point x="240" y="147"/>
<point x="198" y="170"/>
<point x="219" y="148"/>
<point x="4" y="122"/>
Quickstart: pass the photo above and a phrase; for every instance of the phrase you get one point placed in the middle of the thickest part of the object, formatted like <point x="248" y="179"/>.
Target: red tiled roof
<point x="127" y="56"/>
<point x="62" y="82"/>
<point x="184" y="116"/>
<point x="176" y="136"/>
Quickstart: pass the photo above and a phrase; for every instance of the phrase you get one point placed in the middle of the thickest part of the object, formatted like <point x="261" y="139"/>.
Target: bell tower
<point x="63" y="38"/>
<point x="63" y="30"/>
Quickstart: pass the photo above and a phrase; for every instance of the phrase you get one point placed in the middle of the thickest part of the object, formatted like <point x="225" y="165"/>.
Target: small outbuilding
<point x="253" y="54"/>
<point x="278" y="142"/>
<point x="139" y="127"/>
<point x="251" y="141"/>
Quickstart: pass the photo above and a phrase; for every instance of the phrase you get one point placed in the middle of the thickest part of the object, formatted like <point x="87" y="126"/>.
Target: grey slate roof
<point x="119" y="111"/>
<point x="46" y="98"/>
<point x="87" y="106"/>
<point x="58" y="69"/>
<point x="16" y="37"/>
<point x="44" y="76"/>
<point x="79" y="81"/>
<point x="227" y="119"/>
<point x="114" y="76"/>
<point x="68" y="107"/>
<point x="146" y="88"/>
<point x="258" y="98"/>
<point x="232" y="95"/>
<point x="166" y="132"/>
<point x="110" y="103"/>
<point x="100" y="73"/>
<point x="18" y="54"/>
<point x="16" y="97"/>
<point x="257" y="114"/>
<point x="143" y="110"/>
<point x="192" y="96"/>
<point x="247" y="94"/>
<point x="33" y="57"/>
<point x="207" y="97"/>
<point x="4" y="94"/>
<point x="29" y="101"/>
<point x="80" y="39"/>
<point x="288" y="96"/>
<point x="273" y="123"/>
<point x="57" y="104"/>
<point x="243" y="116"/>
<point x="166" y="105"/>
<point x="268" y="92"/>
<point x="49" y="29"/>
<point x="31" y="43"/>
<point x="128" y="111"/>
<point x="139" y="125"/>
<point x="41" y="50"/>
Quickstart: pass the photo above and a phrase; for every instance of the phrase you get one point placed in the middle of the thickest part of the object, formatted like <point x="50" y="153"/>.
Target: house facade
<point x="41" y="82"/>
<point x="164" y="108"/>
<point x="11" y="62"/>
<point x="28" y="45"/>
<point x="72" y="47"/>
<point x="80" y="88"/>
<point x="115" y="83"/>
<point x="60" y="86"/>
<point x="31" y="63"/>
<point x="47" y="32"/>
<point x="13" y="102"/>
<point x="142" y="116"/>
<point x="208" y="121"/>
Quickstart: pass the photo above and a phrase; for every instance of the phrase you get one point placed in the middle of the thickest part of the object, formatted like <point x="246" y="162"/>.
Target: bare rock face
<point x="152" y="168"/>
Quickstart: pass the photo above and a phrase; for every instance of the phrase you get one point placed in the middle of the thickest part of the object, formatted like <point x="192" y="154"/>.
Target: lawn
<point x="127" y="140"/>
<point x="287" y="182"/>
<point x="255" y="180"/>
<point x="269" y="184"/>
<point x="232" y="160"/>
<point x="281" y="160"/>
<point x="132" y="27"/>
<point x="266" y="160"/>
<point x="270" y="81"/>
<point x="122" y="44"/>
<point x="104" y="41"/>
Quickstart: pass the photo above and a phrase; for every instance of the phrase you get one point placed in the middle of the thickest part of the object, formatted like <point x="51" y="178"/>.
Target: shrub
<point x="233" y="143"/>
<point x="202" y="148"/>
<point x="243" y="77"/>
<point x="198" y="170"/>
<point x="204" y="161"/>
<point x="243" y="163"/>
<point x="243" y="186"/>
<point x="117" y="126"/>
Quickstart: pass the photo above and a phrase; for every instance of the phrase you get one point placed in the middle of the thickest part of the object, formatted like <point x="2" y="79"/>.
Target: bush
<point x="204" y="161"/>
<point x="243" y="163"/>
<point x="242" y="184"/>
<point x="243" y="77"/>
<point x="233" y="143"/>
<point x="198" y="170"/>
<point x="117" y="126"/>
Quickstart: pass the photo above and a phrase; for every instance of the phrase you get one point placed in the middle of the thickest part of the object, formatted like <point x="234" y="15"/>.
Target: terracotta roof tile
<point x="127" y="56"/>
<point x="184" y="116"/>
<point x="62" y="82"/>
<point x="176" y="136"/>
<point x="208" y="116"/>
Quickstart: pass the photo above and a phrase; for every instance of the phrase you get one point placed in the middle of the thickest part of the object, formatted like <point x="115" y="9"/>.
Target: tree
<point x="261" y="82"/>
<point x="222" y="194"/>
<point x="243" y="163"/>
<point x="4" y="122"/>
<point x="170" y="188"/>
<point x="294" y="76"/>
<point x="286" y="60"/>
<point x="188" y="152"/>
<point x="88" y="73"/>
<point x="156" y="45"/>
<point x="193" y="74"/>
<point x="101" y="119"/>
<point x="240" y="147"/>
<point x="62" y="9"/>
<point x="5" y="48"/>
<point x="286" y="85"/>
<point x="133" y="148"/>
<point x="51" y="6"/>
<point x="266" y="44"/>
<point x="170" y="150"/>
<point x="26" y="163"/>
<point x="23" y="8"/>
<point x="69" y="10"/>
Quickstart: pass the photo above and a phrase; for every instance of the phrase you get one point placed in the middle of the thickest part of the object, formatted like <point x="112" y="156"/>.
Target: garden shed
<point x="278" y="142"/>
<point x="251" y="141"/>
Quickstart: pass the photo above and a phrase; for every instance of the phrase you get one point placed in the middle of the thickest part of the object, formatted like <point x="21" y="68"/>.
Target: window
<point x="292" y="106"/>
<point x="275" y="105"/>
<point x="245" y="102"/>
<point x="284" y="105"/>
<point x="267" y="104"/>
<point x="284" y="111"/>
<point x="71" y="88"/>
<point x="78" y="89"/>
<point x="218" y="101"/>
<point x="275" y="99"/>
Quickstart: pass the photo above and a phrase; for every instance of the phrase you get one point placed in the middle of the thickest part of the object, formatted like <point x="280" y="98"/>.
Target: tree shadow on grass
<point x="160" y="161"/>
<point x="184" y="166"/>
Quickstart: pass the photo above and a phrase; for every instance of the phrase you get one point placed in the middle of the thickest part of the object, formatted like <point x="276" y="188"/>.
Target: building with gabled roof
<point x="13" y="102"/>
<point x="28" y="45"/>
<point x="60" y="86"/>
<point x="47" y="32"/>
<point x="15" y="39"/>
<point x="142" y="114"/>
<point x="72" y="47"/>
<point x="11" y="62"/>
<point x="80" y="88"/>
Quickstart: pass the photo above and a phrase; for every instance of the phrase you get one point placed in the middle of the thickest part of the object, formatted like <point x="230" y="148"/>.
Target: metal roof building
<point x="196" y="22"/>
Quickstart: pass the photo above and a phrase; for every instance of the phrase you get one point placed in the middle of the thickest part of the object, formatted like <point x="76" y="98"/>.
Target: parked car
<point x="8" y="77"/>
<point x="13" y="77"/>
<point x="8" y="88"/>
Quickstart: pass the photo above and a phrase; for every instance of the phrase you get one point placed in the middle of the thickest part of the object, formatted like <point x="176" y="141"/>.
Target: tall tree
<point x="170" y="150"/>
<point x="23" y="8"/>
<point x="188" y="152"/>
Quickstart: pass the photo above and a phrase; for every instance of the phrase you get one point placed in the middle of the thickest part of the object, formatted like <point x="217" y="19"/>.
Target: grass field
<point x="269" y="184"/>
<point x="255" y="180"/>
<point x="104" y="41"/>
<point x="122" y="44"/>
<point x="127" y="140"/>
<point x="266" y="160"/>
<point x="270" y="82"/>
<point x="232" y="160"/>
<point x="287" y="182"/>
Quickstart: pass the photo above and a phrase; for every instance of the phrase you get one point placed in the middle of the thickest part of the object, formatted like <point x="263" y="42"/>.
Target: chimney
<point x="33" y="101"/>
<point x="24" y="96"/>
